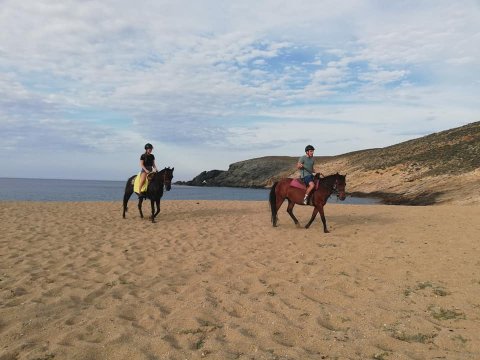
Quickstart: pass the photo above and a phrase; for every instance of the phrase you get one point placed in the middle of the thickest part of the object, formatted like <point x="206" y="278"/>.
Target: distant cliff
<point x="438" y="168"/>
<point x="259" y="172"/>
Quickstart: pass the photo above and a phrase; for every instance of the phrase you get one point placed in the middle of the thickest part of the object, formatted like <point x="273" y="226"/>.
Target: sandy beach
<point x="214" y="280"/>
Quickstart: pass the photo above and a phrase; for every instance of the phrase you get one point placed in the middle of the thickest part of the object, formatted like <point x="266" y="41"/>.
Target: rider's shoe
<point x="305" y="200"/>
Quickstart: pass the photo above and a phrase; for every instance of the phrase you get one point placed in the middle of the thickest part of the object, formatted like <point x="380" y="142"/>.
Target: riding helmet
<point x="148" y="146"/>
<point x="309" y="147"/>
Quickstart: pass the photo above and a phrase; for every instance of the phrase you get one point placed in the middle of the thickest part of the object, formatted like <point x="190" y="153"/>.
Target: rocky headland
<point x="443" y="167"/>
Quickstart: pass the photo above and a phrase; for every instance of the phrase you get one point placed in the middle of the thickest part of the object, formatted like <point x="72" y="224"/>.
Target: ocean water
<point x="96" y="190"/>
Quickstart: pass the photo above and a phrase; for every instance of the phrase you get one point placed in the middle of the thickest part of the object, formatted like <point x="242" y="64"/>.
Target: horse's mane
<point x="156" y="175"/>
<point x="163" y="170"/>
<point x="328" y="177"/>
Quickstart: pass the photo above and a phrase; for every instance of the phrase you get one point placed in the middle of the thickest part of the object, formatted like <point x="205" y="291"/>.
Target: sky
<point x="85" y="84"/>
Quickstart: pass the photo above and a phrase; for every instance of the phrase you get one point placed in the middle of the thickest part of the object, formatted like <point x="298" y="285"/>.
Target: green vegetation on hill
<point x="451" y="151"/>
<point x="395" y="173"/>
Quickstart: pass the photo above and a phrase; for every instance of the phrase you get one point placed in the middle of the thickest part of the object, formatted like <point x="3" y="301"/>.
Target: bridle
<point x="165" y="178"/>
<point x="335" y="188"/>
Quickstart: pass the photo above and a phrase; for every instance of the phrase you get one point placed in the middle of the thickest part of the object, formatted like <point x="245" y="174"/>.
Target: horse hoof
<point x="298" y="225"/>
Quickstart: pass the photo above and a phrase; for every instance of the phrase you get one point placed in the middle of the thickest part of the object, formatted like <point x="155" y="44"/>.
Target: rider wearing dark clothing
<point x="147" y="163"/>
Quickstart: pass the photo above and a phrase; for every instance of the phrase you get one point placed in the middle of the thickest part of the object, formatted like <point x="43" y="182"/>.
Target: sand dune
<point x="214" y="280"/>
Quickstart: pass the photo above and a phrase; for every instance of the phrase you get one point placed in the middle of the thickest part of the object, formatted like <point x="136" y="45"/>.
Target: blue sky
<point x="85" y="84"/>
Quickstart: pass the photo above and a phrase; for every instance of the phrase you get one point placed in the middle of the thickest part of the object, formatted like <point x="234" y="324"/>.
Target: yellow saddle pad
<point x="136" y="184"/>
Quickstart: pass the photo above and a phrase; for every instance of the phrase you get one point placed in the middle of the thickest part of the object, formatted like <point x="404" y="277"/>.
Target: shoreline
<point x="385" y="198"/>
<point x="61" y="190"/>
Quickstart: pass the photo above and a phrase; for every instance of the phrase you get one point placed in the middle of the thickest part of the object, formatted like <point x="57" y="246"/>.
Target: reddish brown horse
<point x="324" y="187"/>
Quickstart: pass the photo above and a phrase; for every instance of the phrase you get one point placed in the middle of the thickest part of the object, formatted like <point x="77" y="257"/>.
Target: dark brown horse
<point x="156" y="182"/>
<point x="324" y="187"/>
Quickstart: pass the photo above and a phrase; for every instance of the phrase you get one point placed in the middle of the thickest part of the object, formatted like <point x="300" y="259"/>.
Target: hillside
<point x="442" y="167"/>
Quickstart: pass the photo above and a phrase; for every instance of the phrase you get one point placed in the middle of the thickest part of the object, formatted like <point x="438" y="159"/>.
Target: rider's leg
<point x="307" y="193"/>
<point x="143" y="176"/>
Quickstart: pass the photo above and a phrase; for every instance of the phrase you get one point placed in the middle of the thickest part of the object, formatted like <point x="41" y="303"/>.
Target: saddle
<point x="136" y="184"/>
<point x="299" y="184"/>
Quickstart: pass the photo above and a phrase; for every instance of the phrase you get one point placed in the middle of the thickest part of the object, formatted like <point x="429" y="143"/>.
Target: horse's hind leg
<point x="291" y="204"/>
<point x="126" y="197"/>
<point x="140" y="201"/>
<point x="278" y="203"/>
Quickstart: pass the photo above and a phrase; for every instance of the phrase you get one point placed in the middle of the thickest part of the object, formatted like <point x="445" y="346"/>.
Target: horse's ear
<point x="172" y="168"/>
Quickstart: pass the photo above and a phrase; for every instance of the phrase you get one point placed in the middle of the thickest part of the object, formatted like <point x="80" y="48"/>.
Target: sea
<point x="15" y="189"/>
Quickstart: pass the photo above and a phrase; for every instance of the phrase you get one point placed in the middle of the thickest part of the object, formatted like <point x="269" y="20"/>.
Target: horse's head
<point x="167" y="178"/>
<point x="339" y="186"/>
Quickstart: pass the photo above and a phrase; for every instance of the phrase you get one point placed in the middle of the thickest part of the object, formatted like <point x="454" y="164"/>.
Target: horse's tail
<point x="273" y="202"/>
<point x="127" y="194"/>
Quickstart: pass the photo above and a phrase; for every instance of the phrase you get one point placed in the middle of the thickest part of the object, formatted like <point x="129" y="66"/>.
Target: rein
<point x="164" y="178"/>
<point x="334" y="187"/>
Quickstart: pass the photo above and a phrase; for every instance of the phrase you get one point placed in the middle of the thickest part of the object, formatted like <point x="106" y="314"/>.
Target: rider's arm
<point x="300" y="162"/>
<point x="142" y="165"/>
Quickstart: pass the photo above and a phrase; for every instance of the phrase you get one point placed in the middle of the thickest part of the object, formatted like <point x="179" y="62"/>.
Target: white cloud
<point x="223" y="80"/>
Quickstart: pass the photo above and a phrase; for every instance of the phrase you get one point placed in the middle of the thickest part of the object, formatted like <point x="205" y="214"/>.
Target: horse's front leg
<point x="152" y="205"/>
<point x="324" y="221"/>
<point x="140" y="201"/>
<point x="157" y="202"/>
<point x="291" y="204"/>
<point x="314" y="214"/>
